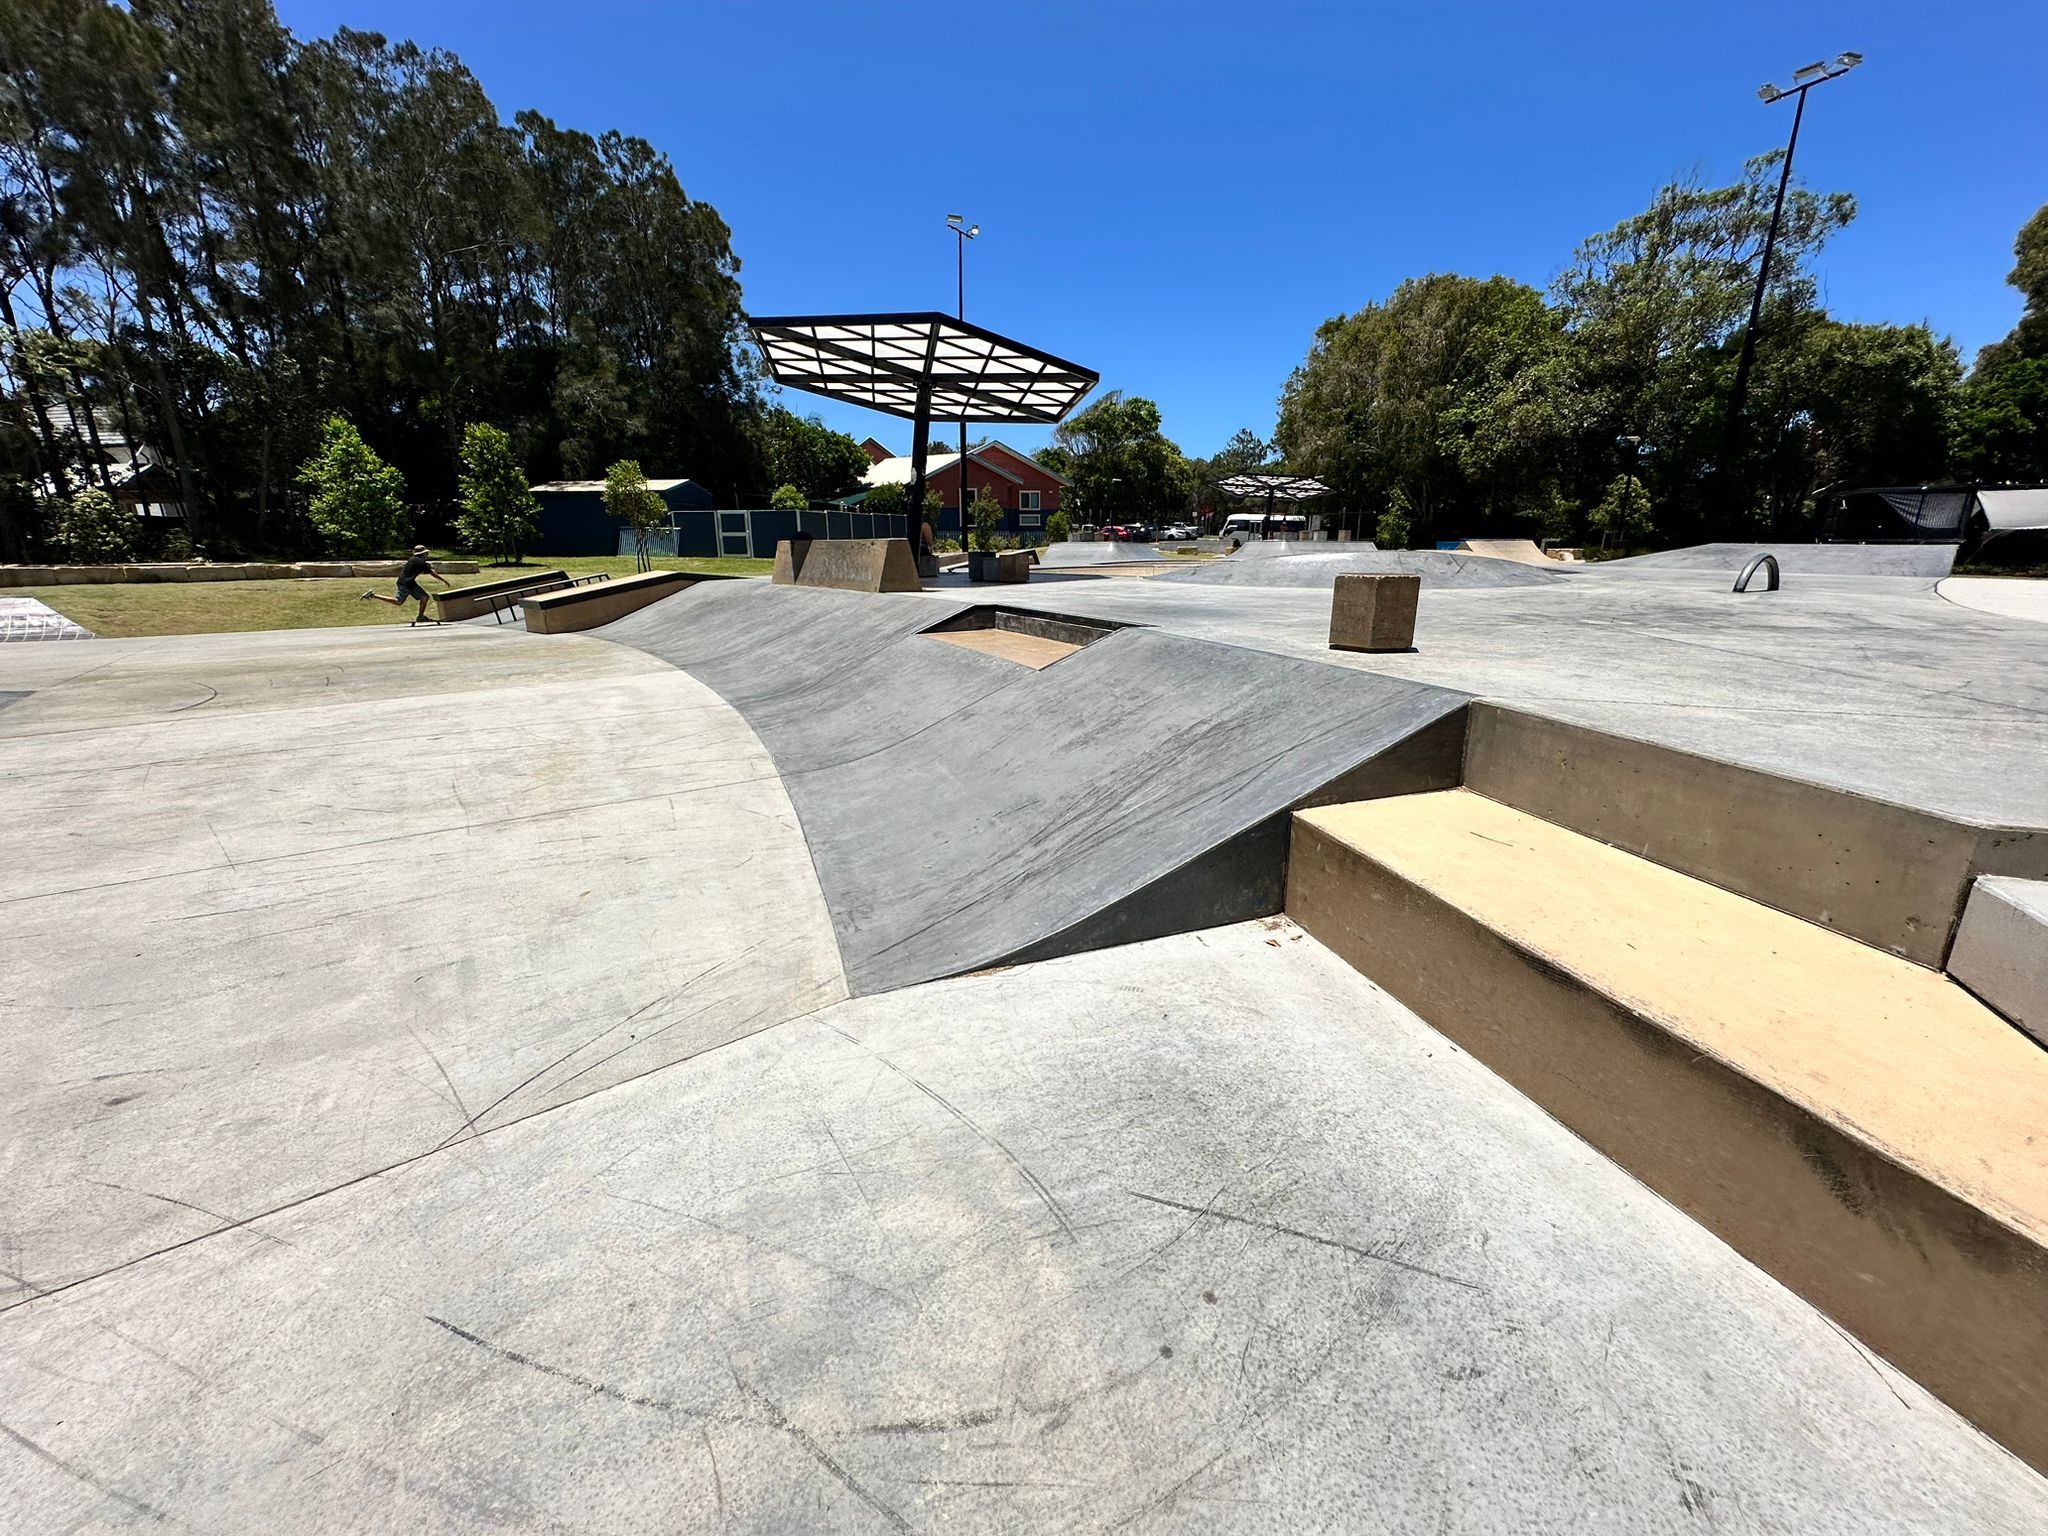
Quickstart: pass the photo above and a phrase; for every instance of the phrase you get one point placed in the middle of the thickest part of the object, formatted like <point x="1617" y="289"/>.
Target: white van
<point x="1253" y="525"/>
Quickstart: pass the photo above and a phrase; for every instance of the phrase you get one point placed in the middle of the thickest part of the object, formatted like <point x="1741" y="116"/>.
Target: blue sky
<point x="1177" y="193"/>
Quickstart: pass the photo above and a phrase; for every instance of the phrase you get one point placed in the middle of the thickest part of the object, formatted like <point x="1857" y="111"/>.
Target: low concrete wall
<point x="1893" y="877"/>
<point x="587" y="607"/>
<point x="208" y="570"/>
<point x="850" y="565"/>
<point x="1945" y="1290"/>
<point x="2001" y="950"/>
<point x="474" y="601"/>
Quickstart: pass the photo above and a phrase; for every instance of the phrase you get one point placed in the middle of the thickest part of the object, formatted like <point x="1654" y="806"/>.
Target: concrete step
<point x="1889" y="875"/>
<point x="1857" y="1125"/>
<point x="2001" y="950"/>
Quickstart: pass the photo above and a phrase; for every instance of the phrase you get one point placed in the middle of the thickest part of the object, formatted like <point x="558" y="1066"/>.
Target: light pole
<point x="963" y="232"/>
<point x="1803" y="80"/>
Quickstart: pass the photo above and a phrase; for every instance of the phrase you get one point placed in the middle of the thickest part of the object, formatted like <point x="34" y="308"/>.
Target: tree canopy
<point x="216" y="235"/>
<point x="1120" y="462"/>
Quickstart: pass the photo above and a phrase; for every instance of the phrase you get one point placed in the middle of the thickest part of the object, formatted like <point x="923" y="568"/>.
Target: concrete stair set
<point x="1734" y="985"/>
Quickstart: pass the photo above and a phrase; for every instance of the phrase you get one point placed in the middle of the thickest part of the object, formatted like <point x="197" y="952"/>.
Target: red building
<point x="1027" y="491"/>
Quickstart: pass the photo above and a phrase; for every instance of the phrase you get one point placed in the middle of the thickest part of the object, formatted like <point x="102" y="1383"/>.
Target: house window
<point x="1028" y="519"/>
<point x="1027" y="501"/>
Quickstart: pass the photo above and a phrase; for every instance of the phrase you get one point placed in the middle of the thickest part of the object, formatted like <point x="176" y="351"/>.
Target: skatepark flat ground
<point x="466" y="1080"/>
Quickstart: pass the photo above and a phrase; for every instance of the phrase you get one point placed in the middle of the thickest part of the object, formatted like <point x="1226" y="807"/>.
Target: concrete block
<point x="600" y="602"/>
<point x="27" y="575"/>
<point x="1374" y="613"/>
<point x="1013" y="565"/>
<point x="323" y="568"/>
<point x="2001" y="950"/>
<point x="789" y="561"/>
<point x="850" y="565"/>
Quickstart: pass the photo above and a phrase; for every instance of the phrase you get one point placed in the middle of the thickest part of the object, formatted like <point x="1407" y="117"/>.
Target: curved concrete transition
<point x="963" y="810"/>
<point x="2010" y="597"/>
<point x="1798" y="559"/>
<point x="1319" y="565"/>
<point x="1523" y="551"/>
<point x="279" y="911"/>
<point x="1081" y="552"/>
<point x="1204" y="1234"/>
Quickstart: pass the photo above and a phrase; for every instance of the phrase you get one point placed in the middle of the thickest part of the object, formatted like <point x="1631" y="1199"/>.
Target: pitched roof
<point x="898" y="471"/>
<point x="598" y="485"/>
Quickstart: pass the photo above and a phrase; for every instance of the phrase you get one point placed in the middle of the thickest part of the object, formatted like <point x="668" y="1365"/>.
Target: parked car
<point x="1180" y="532"/>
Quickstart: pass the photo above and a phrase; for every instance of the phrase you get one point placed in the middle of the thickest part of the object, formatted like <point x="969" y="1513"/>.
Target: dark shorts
<point x="410" y="592"/>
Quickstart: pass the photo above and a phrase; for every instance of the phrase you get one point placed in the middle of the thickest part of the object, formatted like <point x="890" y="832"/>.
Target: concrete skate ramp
<point x="1442" y="569"/>
<point x="963" y="810"/>
<point x="1108" y="552"/>
<point x="1800" y="559"/>
<point x="1274" y="549"/>
<point x="1524" y="551"/>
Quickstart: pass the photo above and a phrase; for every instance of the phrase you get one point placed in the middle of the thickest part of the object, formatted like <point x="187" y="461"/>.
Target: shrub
<point x="1394" y="529"/>
<point x="984" y="514"/>
<point x="787" y="498"/>
<point x="355" y="500"/>
<point x="1057" y="529"/>
<point x="629" y="498"/>
<point x="497" y="508"/>
<point x="94" y="530"/>
<point x="1624" y="512"/>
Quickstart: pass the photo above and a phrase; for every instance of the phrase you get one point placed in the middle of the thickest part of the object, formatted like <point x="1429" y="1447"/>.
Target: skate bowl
<point x="1153" y="802"/>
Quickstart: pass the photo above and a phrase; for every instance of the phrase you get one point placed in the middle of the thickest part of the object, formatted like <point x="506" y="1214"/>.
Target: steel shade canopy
<point x="919" y="366"/>
<point x="1273" y="488"/>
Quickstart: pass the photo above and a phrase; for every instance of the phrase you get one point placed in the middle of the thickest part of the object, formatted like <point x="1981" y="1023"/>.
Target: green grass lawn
<point x="120" y="611"/>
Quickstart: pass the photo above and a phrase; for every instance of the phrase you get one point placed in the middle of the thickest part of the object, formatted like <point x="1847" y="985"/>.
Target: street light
<point x="1804" y="79"/>
<point x="964" y="232"/>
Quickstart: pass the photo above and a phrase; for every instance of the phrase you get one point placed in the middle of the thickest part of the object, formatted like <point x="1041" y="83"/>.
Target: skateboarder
<point x="409" y="583"/>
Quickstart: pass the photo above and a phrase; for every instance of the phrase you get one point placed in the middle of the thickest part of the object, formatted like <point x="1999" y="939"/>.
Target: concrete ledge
<point x="1858" y="1126"/>
<point x="1892" y="877"/>
<point x="2001" y="950"/>
<point x="474" y="601"/>
<point x="850" y="565"/>
<point x="587" y="607"/>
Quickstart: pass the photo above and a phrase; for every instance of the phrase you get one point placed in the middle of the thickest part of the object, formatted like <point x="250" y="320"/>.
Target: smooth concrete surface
<point x="1098" y="552"/>
<point x="277" y="910"/>
<point x="2001" y="950"/>
<point x="1886" y="874"/>
<point x="1206" y="1235"/>
<point x="1868" y="684"/>
<point x="960" y="808"/>
<point x="1932" y="560"/>
<point x="1860" y="1126"/>
<point x="1373" y="613"/>
<point x="850" y="565"/>
<point x="1437" y="568"/>
<point x="2012" y="597"/>
<point x="29" y="618"/>
<point x="597" y="603"/>
<point x="1034" y="651"/>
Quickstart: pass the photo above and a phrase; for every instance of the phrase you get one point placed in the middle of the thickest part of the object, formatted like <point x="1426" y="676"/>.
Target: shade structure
<point x="920" y="366"/>
<point x="1273" y="487"/>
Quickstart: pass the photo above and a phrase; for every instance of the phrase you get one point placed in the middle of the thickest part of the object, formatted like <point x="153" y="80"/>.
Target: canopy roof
<point x="2015" y="509"/>
<point x="1278" y="487"/>
<point x="886" y="362"/>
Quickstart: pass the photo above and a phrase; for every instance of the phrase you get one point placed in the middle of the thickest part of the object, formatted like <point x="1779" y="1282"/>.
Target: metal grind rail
<point x="502" y="603"/>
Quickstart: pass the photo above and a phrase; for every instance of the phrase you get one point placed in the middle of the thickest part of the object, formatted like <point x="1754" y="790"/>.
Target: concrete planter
<point x="977" y="564"/>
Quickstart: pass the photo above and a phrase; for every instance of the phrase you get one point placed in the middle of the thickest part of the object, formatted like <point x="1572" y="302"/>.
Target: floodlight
<point x="1848" y="60"/>
<point x="1768" y="93"/>
<point x="1811" y="71"/>
<point x="954" y="219"/>
<point x="971" y="233"/>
